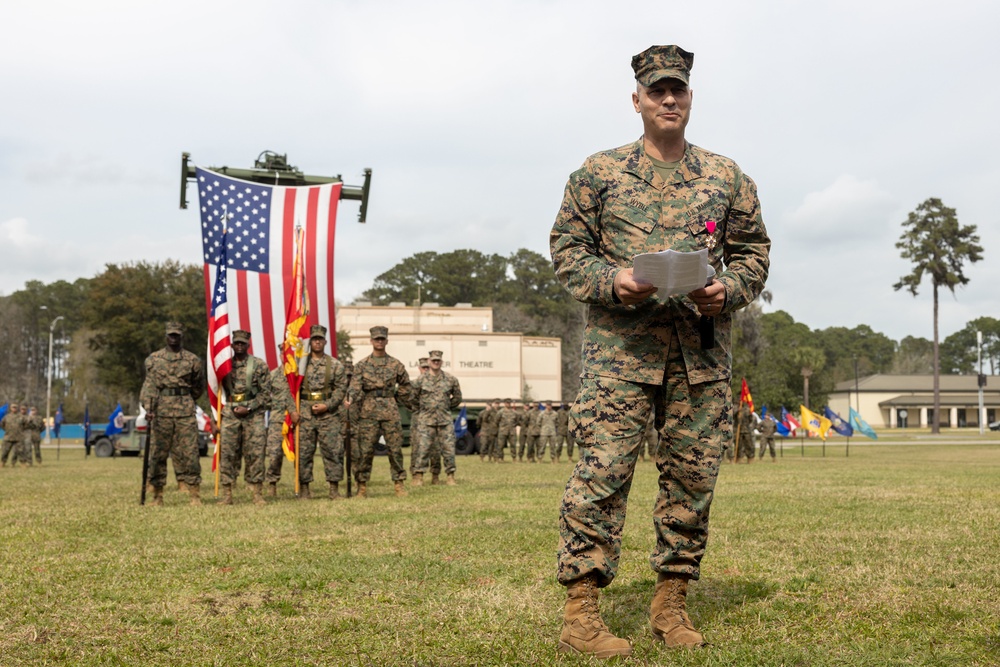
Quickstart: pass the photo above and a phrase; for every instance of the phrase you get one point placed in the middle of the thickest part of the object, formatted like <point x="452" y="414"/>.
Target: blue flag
<point x="838" y="424"/>
<point x="58" y="420"/>
<point x="115" y="422"/>
<point x="862" y="425"/>
<point x="3" y="410"/>
<point x="461" y="424"/>
<point x="782" y="426"/>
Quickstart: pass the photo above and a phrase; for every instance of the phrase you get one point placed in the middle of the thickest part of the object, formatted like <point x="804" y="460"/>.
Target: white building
<point x="900" y="401"/>
<point x="488" y="364"/>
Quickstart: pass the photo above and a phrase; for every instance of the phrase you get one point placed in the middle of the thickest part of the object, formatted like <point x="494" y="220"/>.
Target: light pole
<point x="48" y="391"/>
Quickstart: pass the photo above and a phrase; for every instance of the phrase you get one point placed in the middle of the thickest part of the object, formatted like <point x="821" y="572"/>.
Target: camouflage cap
<point x="241" y="336"/>
<point x="436" y="354"/>
<point x="379" y="332"/>
<point x="175" y="328"/>
<point x="317" y="331"/>
<point x="424" y="362"/>
<point x="662" y="62"/>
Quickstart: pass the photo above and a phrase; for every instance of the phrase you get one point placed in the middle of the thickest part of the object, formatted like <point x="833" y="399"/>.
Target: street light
<point x="48" y="392"/>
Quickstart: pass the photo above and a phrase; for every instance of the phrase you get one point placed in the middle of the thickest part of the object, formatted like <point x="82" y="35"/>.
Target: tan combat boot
<point x="258" y="495"/>
<point x="272" y="489"/>
<point x="436" y="479"/>
<point x="157" y="496"/>
<point x="400" y="489"/>
<point x="418" y="479"/>
<point x="362" y="489"/>
<point x="450" y="480"/>
<point x="304" y="493"/>
<point x="194" y="491"/>
<point x="227" y="495"/>
<point x="583" y="629"/>
<point x="181" y="486"/>
<point x="334" y="490"/>
<point x="668" y="613"/>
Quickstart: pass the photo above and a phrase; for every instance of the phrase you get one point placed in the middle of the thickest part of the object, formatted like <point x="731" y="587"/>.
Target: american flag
<point x="261" y="221"/>
<point x="220" y="350"/>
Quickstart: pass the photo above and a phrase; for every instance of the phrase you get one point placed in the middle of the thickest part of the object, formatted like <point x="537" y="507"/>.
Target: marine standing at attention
<point x="174" y="381"/>
<point x="643" y="351"/>
<point x="323" y="389"/>
<point x="243" y="437"/>
<point x="435" y="394"/>
<point x="380" y="384"/>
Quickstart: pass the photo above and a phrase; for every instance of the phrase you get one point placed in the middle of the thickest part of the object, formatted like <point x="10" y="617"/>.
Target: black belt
<point x="381" y="393"/>
<point x="175" y="391"/>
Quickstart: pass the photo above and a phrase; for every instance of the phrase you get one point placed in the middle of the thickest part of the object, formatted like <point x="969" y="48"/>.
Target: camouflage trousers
<point x="488" y="443"/>
<point x="415" y="436"/>
<point x="369" y="431"/>
<point x="175" y="438"/>
<point x="36" y="445"/>
<point x="570" y="444"/>
<point x="766" y="442"/>
<point x="324" y="432"/>
<point x="505" y="438"/>
<point x="745" y="447"/>
<point x="557" y="448"/>
<point x="275" y="453"/>
<point x="436" y="436"/>
<point x="611" y="415"/>
<point x="530" y="447"/>
<point x="546" y="442"/>
<point x="17" y="451"/>
<point x="242" y="440"/>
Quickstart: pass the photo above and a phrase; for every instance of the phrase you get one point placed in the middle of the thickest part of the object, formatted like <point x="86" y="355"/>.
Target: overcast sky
<point x="846" y="114"/>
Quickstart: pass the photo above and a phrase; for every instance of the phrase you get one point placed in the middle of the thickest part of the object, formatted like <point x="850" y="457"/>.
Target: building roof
<point x="920" y="383"/>
<point x="948" y="400"/>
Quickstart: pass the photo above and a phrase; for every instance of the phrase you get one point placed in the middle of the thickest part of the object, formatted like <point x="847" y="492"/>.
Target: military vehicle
<point x="273" y="169"/>
<point x="132" y="440"/>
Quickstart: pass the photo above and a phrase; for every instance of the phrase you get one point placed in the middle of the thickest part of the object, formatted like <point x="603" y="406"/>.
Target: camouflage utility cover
<point x="616" y="207"/>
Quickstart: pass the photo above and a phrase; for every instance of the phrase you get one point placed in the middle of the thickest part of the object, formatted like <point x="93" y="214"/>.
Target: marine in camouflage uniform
<point x="547" y="432"/>
<point x="490" y="429"/>
<point x="744" y="446"/>
<point x="324" y="387"/>
<point x="36" y="424"/>
<point x="767" y="428"/>
<point x="534" y="433"/>
<point x="243" y="436"/>
<point x="379" y="382"/>
<point x="282" y="403"/>
<point x="416" y="431"/>
<point x="523" y="422"/>
<point x="435" y="395"/>
<point x="174" y="381"/>
<point x="12" y="435"/>
<point x="562" y="430"/>
<point x="642" y="350"/>
<point x="506" y="432"/>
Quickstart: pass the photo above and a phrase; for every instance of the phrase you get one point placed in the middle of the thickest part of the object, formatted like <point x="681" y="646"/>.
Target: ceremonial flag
<point x="261" y="220"/>
<point x="745" y="396"/>
<point x="220" y="349"/>
<point x="461" y="423"/>
<point x="57" y="422"/>
<point x="815" y="424"/>
<point x="116" y="421"/>
<point x="861" y="425"/>
<point x="789" y="422"/>
<point x="204" y="421"/>
<point x="293" y="352"/>
<point x="3" y="410"/>
<point x="838" y="424"/>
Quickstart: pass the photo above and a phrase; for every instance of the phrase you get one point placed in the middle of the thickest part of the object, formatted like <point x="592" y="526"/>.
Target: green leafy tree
<point x="127" y="309"/>
<point x="938" y="246"/>
<point x="460" y="276"/>
<point x="960" y="350"/>
<point x="874" y="352"/>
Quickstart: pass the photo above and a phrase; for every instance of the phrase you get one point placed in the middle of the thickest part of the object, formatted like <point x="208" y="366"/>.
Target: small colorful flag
<point x="745" y="396"/>
<point x="861" y="425"/>
<point x="838" y="424"/>
<point x="815" y="424"/>
<point x="116" y="421"/>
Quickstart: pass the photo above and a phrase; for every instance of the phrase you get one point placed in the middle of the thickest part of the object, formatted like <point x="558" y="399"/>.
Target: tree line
<point x="111" y="322"/>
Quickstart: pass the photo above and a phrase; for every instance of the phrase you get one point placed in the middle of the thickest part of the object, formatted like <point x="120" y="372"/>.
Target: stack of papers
<point x="673" y="272"/>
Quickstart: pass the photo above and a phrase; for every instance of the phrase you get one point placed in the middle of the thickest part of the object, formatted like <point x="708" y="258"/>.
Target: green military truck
<point x="132" y="440"/>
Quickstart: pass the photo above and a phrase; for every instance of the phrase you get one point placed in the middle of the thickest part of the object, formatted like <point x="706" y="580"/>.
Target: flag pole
<point x="298" y="451"/>
<point x="217" y="456"/>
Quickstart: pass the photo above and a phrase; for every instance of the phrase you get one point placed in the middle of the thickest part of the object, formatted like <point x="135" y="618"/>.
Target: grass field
<point x="888" y="557"/>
